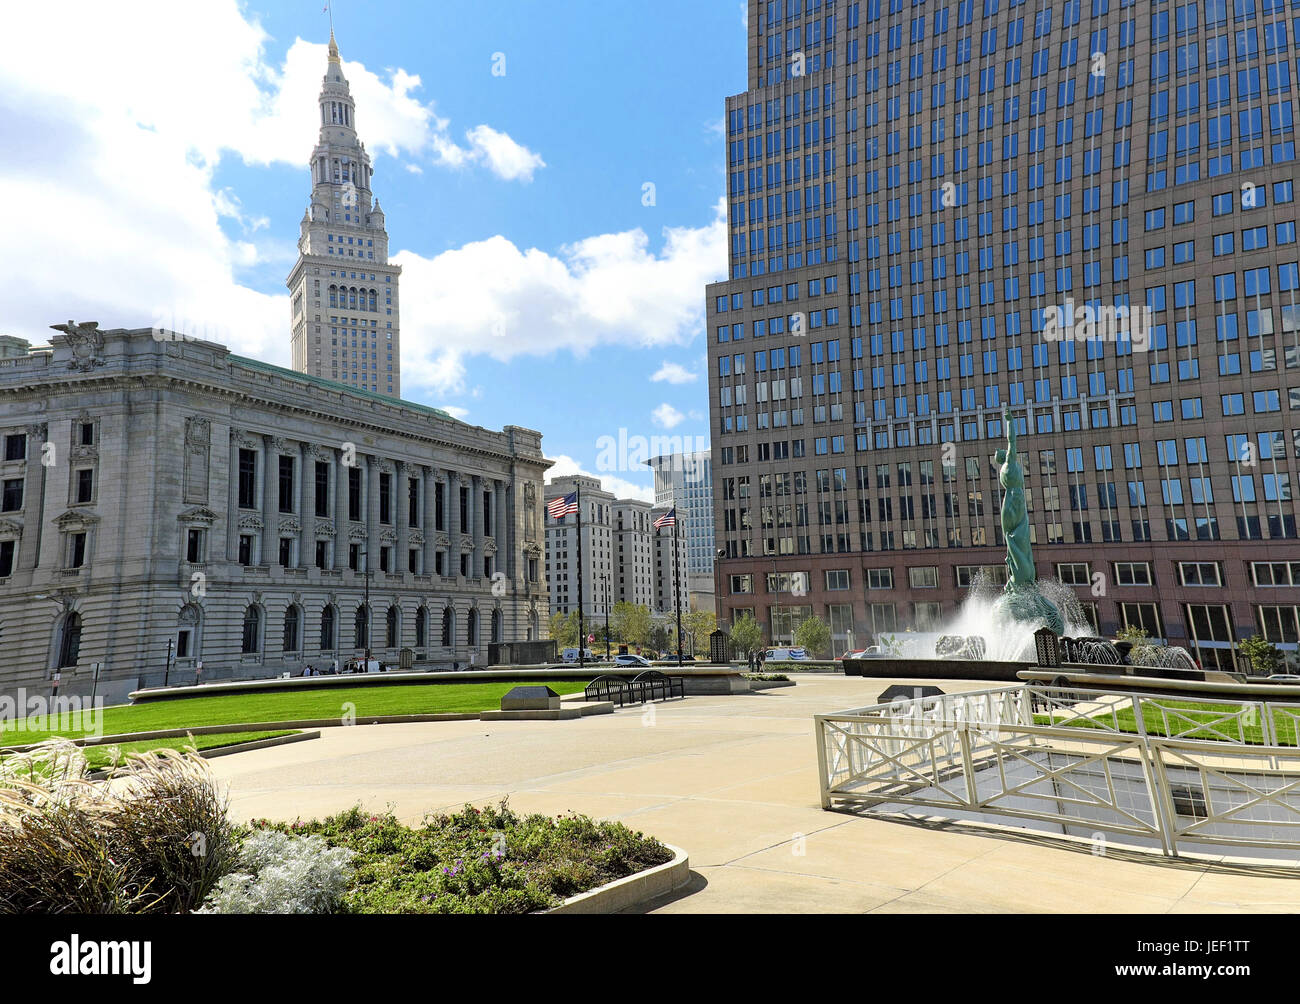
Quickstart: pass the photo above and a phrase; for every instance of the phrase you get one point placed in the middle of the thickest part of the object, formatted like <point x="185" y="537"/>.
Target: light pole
<point x="604" y="576"/>
<point x="167" y="671"/>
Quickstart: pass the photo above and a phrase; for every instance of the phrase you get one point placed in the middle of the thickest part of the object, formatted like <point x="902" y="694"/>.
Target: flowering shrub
<point x="479" y="860"/>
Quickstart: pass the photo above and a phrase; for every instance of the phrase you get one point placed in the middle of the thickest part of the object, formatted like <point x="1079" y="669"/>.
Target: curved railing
<point x="1164" y="772"/>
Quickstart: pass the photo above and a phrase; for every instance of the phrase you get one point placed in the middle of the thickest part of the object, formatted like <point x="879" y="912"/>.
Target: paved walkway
<point x="733" y="780"/>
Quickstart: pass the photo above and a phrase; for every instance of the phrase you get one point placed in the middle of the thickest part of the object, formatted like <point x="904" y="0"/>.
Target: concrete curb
<point x="211" y="730"/>
<point x="633" y="890"/>
<point x="770" y="684"/>
<point x="218" y="751"/>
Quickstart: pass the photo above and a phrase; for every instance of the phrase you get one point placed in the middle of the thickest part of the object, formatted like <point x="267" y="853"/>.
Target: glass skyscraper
<point x="1078" y="212"/>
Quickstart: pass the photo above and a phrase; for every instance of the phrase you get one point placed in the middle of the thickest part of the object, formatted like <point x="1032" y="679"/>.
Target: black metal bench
<point x="610" y="688"/>
<point x="654" y="683"/>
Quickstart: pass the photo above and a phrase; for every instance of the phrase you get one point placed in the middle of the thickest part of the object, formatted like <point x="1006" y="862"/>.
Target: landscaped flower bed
<point x="489" y="860"/>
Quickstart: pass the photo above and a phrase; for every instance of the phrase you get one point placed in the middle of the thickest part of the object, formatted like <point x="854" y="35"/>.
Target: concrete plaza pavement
<point x="733" y="781"/>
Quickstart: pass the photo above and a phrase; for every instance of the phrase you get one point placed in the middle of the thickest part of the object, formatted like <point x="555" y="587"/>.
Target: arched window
<point x="70" y="640"/>
<point x="421" y="627"/>
<point x="362" y="628"/>
<point x="327" y="629"/>
<point x="392" y="627"/>
<point x="374" y="301"/>
<point x="334" y="296"/>
<point x="471" y="634"/>
<point x="496" y="626"/>
<point x="292" y="622"/>
<point x="447" y="627"/>
<point x="252" y="630"/>
<point x="533" y="626"/>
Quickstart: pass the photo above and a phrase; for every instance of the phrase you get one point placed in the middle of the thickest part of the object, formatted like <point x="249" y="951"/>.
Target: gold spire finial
<point x="334" y="48"/>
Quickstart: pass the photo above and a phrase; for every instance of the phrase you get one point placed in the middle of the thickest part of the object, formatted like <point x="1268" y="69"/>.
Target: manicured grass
<point x="99" y="757"/>
<point x="299" y="705"/>
<point x="1183" y="714"/>
<point x="478" y="861"/>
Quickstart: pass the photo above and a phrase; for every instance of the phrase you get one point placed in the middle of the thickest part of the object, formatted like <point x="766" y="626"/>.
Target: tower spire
<point x="334" y="48"/>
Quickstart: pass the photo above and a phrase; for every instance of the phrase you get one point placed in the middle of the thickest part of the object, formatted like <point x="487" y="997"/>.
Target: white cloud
<point x="113" y="129"/>
<point x="492" y="298"/>
<point x="566" y="465"/>
<point x="674" y="373"/>
<point x="455" y="411"/>
<point x="503" y="156"/>
<point x="668" y="416"/>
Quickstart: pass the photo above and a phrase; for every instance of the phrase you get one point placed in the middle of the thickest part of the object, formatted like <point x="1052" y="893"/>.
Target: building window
<point x="880" y="578"/>
<point x="322" y="553"/>
<point x="327" y="629"/>
<point x="385" y="498"/>
<point x="1132" y="573"/>
<point x="412" y="502"/>
<point x="421" y="627"/>
<point x="16" y="447"/>
<point x="70" y="640"/>
<point x="837" y="580"/>
<point x="13" y="495"/>
<point x="194" y="546"/>
<point x="384" y="563"/>
<point x="85" y="485"/>
<point x="252" y="627"/>
<point x="413" y="561"/>
<point x="447" y="627"/>
<point x="86" y="433"/>
<point x="322" y="489"/>
<point x="1074" y="573"/>
<point x="76" y="550"/>
<point x="286" y="484"/>
<point x="471" y="628"/>
<point x="245" y="549"/>
<point x="286" y="552"/>
<point x="391" y="628"/>
<point x="291" y="629"/>
<point x="247" y="479"/>
<point x="361" y="628"/>
<point x="354" y="494"/>
<point x="923" y="577"/>
<point x="6" y="558"/>
<point x="496" y="626"/>
<point x="1200" y="573"/>
<point x="1145" y="616"/>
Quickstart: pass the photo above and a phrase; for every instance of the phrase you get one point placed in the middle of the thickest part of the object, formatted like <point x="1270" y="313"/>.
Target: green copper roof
<point x="307" y="378"/>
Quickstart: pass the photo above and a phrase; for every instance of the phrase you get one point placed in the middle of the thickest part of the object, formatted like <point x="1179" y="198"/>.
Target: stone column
<point x="401" y="514"/>
<point x="29" y="545"/>
<point x="372" y="515"/>
<point x="232" y="501"/>
<point x="430" y="475"/>
<point x="341" y="539"/>
<point x="307" y="495"/>
<point x="270" y="517"/>
<point x="501" y="533"/>
<point x="476" y="525"/>
<point x="453" y="523"/>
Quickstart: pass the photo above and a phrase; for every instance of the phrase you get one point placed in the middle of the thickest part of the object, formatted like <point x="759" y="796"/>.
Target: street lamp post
<point x="167" y="670"/>
<point x="605" y="578"/>
<point x="365" y="555"/>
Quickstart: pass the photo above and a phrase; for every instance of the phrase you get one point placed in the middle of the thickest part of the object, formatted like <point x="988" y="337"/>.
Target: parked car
<point x="571" y="655"/>
<point x="1283" y="678"/>
<point x="639" y="661"/>
<point x="855" y="654"/>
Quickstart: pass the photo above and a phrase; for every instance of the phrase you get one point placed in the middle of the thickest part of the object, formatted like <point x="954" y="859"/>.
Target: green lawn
<point x="329" y="702"/>
<point x="99" y="757"/>
<point x="1181" y="716"/>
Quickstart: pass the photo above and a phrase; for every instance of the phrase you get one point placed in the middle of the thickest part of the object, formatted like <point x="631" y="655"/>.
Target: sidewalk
<point x="733" y="780"/>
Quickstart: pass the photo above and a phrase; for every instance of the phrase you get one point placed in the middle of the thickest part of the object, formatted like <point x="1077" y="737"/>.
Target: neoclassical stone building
<point x="163" y="497"/>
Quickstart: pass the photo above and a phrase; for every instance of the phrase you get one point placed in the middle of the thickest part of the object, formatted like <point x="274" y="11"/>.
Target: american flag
<point x="561" y="506"/>
<point x="667" y="519"/>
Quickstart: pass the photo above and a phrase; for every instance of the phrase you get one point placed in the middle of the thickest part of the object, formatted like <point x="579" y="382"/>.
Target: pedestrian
<point x="334" y="668"/>
<point x="198" y="672"/>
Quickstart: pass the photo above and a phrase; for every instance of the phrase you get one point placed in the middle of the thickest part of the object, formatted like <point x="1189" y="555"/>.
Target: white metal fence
<point x="1157" y="771"/>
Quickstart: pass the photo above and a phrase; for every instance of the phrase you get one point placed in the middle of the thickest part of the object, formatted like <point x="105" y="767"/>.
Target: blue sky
<point x="610" y="99"/>
<point x="164" y="185"/>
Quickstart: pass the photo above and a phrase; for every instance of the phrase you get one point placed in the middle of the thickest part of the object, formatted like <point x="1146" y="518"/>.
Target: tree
<point x="1133" y="633"/>
<point x="814" y="634"/>
<point x="1265" y="657"/>
<point x="746" y="636"/>
<point x="564" y="629"/>
<point x="659" y="636"/>
<point x="700" y="624"/>
<point x="630" y="623"/>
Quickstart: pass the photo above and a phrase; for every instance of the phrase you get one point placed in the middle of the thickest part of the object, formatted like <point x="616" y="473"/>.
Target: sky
<point x="552" y="174"/>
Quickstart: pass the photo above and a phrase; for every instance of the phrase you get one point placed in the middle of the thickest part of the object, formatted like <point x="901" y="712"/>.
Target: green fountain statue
<point x="1020" y="600"/>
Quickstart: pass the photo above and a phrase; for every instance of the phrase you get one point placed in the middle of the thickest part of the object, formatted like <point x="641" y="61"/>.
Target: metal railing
<point x="1163" y="771"/>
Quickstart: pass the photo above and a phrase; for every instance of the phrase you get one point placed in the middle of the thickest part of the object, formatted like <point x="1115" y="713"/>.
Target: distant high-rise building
<point x="685" y="481"/>
<point x="343" y="291"/>
<point x="941" y="212"/>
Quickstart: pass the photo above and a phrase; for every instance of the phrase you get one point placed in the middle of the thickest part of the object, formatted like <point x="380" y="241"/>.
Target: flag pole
<point x="677" y="587"/>
<point x="582" y="628"/>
